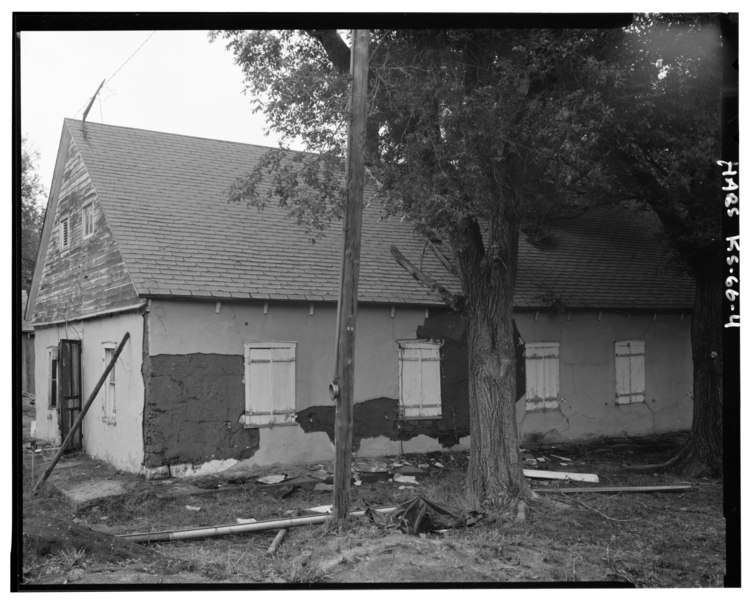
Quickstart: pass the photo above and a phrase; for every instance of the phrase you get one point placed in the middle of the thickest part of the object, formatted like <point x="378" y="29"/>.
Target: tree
<point x="660" y="146"/>
<point x="467" y="135"/>
<point x="31" y="213"/>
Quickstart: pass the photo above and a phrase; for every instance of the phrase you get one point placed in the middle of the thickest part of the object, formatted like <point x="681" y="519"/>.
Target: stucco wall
<point x="195" y="392"/>
<point x="587" y="375"/>
<point x="195" y="384"/>
<point x="119" y="443"/>
<point x="195" y="327"/>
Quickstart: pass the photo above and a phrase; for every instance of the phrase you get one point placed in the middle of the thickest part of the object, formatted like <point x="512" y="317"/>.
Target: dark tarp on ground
<point x="420" y="515"/>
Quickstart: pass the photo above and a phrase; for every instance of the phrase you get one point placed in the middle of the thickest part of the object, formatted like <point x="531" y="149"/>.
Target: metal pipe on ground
<point x="614" y="489"/>
<point x="214" y="531"/>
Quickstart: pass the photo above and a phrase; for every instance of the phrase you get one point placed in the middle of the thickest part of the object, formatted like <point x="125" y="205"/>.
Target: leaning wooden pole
<point x="343" y="385"/>
<point x="83" y="412"/>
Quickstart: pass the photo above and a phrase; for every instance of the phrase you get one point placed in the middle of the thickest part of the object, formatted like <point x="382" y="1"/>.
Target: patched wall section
<point x="195" y="377"/>
<point x="193" y="405"/>
<point x="379" y="417"/>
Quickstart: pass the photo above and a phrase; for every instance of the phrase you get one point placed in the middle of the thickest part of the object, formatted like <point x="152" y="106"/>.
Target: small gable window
<point x="629" y="372"/>
<point x="87" y="220"/>
<point x="270" y="380"/>
<point x="419" y="379"/>
<point x="542" y="375"/>
<point x="65" y="234"/>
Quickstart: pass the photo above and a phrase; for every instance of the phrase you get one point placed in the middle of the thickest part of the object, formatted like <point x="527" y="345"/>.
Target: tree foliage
<point x="31" y="213"/>
<point x="660" y="148"/>
<point x="451" y="112"/>
<point x="663" y="136"/>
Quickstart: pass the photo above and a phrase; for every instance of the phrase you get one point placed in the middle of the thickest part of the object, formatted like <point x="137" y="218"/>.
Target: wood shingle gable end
<point x="89" y="275"/>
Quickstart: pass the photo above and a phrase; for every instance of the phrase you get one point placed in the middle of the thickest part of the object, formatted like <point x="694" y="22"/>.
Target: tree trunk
<point x="495" y="475"/>
<point x="703" y="453"/>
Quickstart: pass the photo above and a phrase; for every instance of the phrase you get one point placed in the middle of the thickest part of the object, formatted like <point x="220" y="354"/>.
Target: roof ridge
<point x="69" y="120"/>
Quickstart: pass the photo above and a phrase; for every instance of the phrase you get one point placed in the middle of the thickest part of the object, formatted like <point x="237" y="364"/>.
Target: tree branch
<point x="442" y="258"/>
<point x="336" y="49"/>
<point x="455" y="301"/>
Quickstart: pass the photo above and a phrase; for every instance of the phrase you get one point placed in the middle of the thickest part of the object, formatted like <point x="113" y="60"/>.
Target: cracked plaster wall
<point x="587" y="376"/>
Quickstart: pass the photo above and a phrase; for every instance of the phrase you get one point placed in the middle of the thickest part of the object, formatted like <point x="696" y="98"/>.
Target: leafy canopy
<point x="461" y="122"/>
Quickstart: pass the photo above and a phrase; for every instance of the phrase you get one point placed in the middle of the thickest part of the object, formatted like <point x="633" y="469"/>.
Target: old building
<point x="231" y="314"/>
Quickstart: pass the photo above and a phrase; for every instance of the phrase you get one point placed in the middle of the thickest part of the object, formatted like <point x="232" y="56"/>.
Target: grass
<point x="648" y="540"/>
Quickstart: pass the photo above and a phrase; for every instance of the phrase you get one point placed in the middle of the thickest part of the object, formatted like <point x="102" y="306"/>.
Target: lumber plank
<point x="537" y="474"/>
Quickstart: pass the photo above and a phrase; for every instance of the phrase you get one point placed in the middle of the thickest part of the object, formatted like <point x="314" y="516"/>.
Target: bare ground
<point x="646" y="540"/>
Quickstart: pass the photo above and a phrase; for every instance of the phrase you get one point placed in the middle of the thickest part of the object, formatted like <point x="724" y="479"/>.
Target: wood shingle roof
<point x="165" y="197"/>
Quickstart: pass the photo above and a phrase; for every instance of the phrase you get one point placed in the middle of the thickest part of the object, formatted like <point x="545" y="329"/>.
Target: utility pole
<point x="342" y="387"/>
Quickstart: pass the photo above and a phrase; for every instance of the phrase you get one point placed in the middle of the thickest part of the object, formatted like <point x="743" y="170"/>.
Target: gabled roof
<point x="165" y="197"/>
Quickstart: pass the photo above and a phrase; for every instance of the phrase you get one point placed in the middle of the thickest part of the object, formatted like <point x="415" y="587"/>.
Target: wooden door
<point x="69" y="385"/>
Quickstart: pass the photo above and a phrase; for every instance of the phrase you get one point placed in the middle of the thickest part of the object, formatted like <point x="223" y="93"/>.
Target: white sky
<point x="177" y="82"/>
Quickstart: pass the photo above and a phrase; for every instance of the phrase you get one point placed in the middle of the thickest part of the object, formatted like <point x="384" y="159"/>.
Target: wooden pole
<point x="89" y="106"/>
<point x="343" y="385"/>
<point x="83" y="412"/>
<point x="276" y="542"/>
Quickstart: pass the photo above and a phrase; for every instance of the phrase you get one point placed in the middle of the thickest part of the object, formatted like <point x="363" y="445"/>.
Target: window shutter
<point x="542" y="375"/>
<point x="419" y="376"/>
<point x="270" y="383"/>
<point x="629" y="372"/>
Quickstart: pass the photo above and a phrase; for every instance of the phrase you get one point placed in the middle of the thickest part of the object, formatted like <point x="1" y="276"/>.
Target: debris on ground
<point x="536" y="474"/>
<point x="420" y="515"/>
<point x="405" y="479"/>
<point x="272" y="479"/>
<point x="283" y="491"/>
<point x="325" y="509"/>
<point x="277" y="541"/>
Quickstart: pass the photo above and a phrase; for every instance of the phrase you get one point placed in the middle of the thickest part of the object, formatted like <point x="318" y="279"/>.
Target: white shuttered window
<point x="108" y="388"/>
<point x="542" y="375"/>
<point x="629" y="372"/>
<point x="270" y="376"/>
<point x="419" y="379"/>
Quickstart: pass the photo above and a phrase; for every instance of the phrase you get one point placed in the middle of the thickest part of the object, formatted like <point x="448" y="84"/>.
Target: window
<point x="53" y="377"/>
<point x="542" y="375"/>
<point x="65" y="234"/>
<point x="108" y="388"/>
<point x="419" y="379"/>
<point x="629" y="372"/>
<point x="87" y="220"/>
<point x="270" y="383"/>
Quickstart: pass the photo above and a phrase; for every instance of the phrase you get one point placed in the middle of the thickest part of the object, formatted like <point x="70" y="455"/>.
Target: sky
<point x="170" y="81"/>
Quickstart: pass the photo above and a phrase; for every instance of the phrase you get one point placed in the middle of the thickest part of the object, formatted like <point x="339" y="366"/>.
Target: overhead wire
<point x="110" y="78"/>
